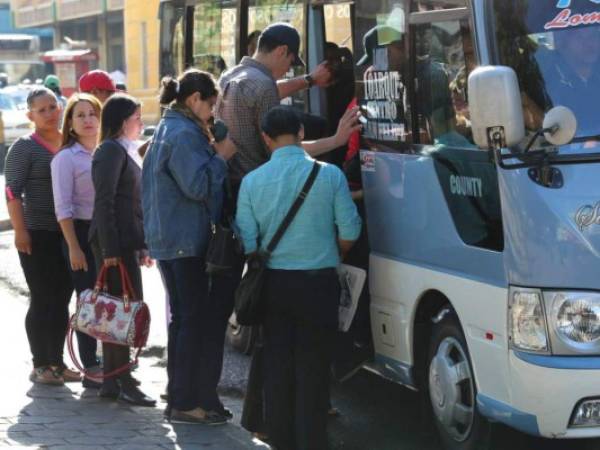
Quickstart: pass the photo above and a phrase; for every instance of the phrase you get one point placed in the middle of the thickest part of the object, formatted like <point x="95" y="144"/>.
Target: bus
<point x="20" y="57"/>
<point x="478" y="160"/>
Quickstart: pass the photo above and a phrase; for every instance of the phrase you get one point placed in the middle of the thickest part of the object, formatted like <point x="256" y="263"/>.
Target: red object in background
<point x="354" y="141"/>
<point x="69" y="65"/>
<point x="98" y="79"/>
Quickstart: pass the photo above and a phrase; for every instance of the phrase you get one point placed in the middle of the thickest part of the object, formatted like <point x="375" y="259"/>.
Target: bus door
<point x="331" y="40"/>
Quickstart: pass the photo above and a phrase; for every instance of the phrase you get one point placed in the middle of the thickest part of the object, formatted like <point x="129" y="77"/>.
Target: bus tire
<point x="452" y="391"/>
<point x="241" y="337"/>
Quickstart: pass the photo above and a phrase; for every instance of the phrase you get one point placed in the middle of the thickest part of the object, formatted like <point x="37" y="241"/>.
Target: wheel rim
<point x="452" y="390"/>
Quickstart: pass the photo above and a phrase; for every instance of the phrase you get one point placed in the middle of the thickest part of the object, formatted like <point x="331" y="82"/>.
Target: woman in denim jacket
<point x="182" y="185"/>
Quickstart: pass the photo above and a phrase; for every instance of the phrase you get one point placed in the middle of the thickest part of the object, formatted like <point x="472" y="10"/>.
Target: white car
<point x="16" y="123"/>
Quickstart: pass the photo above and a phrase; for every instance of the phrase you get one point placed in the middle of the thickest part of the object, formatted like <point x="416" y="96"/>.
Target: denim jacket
<point x="182" y="180"/>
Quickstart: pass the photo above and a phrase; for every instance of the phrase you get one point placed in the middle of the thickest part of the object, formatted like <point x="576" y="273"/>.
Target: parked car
<point x="16" y="123"/>
<point x="18" y="93"/>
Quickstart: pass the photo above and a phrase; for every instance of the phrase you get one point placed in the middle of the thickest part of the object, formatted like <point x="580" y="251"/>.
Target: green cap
<point x="51" y="82"/>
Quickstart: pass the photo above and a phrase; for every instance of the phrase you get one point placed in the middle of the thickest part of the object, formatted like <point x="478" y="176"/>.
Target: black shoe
<point x="109" y="390"/>
<point x="133" y="396"/>
<point x="91" y="384"/>
<point x="225" y="412"/>
<point x="134" y="380"/>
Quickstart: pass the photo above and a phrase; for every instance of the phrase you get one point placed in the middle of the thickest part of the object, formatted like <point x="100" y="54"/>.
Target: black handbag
<point x="249" y="299"/>
<point x="224" y="252"/>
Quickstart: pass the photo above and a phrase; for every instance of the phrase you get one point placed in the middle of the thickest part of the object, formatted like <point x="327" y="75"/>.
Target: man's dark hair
<point x="281" y="121"/>
<point x="266" y="44"/>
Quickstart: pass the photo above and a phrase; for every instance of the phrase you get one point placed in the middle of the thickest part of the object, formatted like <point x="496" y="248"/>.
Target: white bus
<point x="481" y="198"/>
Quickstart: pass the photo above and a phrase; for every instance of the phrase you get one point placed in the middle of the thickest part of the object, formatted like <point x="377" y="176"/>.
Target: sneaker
<point x="197" y="416"/>
<point x="45" y="375"/>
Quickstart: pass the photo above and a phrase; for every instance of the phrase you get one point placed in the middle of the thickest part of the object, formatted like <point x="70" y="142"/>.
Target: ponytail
<point x="169" y="90"/>
<point x="188" y="83"/>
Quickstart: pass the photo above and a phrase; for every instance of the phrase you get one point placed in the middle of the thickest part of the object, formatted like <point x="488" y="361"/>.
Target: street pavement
<point x="70" y="417"/>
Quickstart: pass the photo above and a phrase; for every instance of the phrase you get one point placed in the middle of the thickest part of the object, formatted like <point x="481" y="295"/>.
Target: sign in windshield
<point x="554" y="46"/>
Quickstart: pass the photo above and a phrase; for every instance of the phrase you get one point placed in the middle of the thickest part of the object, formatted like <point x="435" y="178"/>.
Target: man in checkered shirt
<point x="250" y="89"/>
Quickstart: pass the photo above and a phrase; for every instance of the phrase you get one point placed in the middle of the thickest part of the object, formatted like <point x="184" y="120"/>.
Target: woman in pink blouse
<point x="73" y="192"/>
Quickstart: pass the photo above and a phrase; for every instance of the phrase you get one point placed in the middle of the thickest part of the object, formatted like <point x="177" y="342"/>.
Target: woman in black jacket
<point x="117" y="232"/>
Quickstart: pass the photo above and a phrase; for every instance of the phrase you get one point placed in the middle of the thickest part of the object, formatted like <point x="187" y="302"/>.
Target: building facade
<point x="142" y="30"/>
<point x="94" y="24"/>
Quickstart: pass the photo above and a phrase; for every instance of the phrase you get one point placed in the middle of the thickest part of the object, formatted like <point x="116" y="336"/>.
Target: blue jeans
<point x="196" y="336"/>
<point x="83" y="280"/>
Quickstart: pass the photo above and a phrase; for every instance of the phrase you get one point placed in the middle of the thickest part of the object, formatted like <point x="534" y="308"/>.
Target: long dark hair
<point x="188" y="83"/>
<point x="117" y="109"/>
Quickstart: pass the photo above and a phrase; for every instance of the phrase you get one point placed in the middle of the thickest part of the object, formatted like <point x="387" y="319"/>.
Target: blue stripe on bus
<point x="506" y="414"/>
<point x="560" y="362"/>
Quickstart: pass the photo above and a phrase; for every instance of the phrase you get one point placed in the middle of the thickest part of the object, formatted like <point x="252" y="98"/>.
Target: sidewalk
<point x="70" y="417"/>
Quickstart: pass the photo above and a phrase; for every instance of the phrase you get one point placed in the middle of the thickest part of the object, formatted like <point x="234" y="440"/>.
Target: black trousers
<point x="299" y="327"/>
<point x="50" y="288"/>
<point x="116" y="356"/>
<point x="83" y="280"/>
<point x="196" y="334"/>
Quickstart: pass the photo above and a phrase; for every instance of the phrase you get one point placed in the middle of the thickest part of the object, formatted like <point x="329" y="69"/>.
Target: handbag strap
<point x="93" y="376"/>
<point x="128" y="293"/>
<point x="294" y="208"/>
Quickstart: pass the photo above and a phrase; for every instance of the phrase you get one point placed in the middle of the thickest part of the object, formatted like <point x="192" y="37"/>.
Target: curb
<point x="5" y="225"/>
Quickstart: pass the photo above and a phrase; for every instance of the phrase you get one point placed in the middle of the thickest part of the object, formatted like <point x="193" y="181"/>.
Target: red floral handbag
<point x="121" y="320"/>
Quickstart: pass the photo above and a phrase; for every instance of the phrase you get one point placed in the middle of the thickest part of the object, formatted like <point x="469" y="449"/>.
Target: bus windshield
<point x="554" y="46"/>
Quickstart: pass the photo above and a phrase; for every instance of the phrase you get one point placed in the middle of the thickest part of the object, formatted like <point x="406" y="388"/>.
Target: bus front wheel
<point x="452" y="390"/>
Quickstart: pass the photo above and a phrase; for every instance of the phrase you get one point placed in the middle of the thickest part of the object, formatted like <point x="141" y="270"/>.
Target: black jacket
<point x="117" y="222"/>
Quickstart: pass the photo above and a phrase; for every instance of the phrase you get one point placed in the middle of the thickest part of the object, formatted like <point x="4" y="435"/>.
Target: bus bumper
<point x="546" y="392"/>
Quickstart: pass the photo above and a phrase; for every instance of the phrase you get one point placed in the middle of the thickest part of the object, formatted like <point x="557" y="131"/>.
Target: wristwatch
<point x="310" y="81"/>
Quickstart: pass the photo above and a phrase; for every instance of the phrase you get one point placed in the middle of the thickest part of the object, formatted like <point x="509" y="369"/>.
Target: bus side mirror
<point x="495" y="107"/>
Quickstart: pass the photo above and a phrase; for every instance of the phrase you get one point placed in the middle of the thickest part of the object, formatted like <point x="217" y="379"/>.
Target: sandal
<point x="68" y="375"/>
<point x="45" y="375"/>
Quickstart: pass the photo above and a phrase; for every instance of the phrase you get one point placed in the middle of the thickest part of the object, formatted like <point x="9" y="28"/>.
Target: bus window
<point x="338" y="25"/>
<point x="444" y="58"/>
<point x="430" y="5"/>
<point x="215" y="24"/>
<point x="381" y="52"/>
<point x="265" y="12"/>
<point x="172" y="59"/>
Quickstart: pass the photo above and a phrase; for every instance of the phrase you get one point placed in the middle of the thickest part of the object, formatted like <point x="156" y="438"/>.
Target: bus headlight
<point x="527" y="321"/>
<point x="575" y="320"/>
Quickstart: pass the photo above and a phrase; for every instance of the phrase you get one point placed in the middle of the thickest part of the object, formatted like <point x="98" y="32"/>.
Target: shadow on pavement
<point x="75" y="419"/>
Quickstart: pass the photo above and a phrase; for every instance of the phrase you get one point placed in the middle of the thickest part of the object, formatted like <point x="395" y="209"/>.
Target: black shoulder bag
<point x="249" y="301"/>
